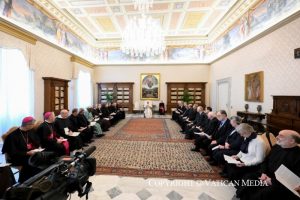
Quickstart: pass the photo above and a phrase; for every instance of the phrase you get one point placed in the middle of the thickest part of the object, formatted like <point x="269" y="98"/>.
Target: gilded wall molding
<point x="81" y="61"/>
<point x="17" y="32"/>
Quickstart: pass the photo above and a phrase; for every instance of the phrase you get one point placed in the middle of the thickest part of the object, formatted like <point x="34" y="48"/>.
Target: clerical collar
<point x="290" y="149"/>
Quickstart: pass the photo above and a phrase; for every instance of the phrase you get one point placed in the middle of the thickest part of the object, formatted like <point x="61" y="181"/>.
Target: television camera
<point x="59" y="180"/>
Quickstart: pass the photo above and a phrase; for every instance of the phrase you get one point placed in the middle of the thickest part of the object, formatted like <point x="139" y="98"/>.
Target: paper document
<point x="81" y="129"/>
<point x="231" y="160"/>
<point x="66" y="131"/>
<point x="203" y="134"/>
<point x="92" y="123"/>
<point x="287" y="178"/>
<point x="74" y="134"/>
<point x="38" y="150"/>
<point x="216" y="147"/>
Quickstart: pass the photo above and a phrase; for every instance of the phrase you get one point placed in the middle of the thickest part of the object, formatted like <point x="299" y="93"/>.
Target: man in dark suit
<point x="200" y="121"/>
<point x="232" y="144"/>
<point x="218" y="137"/>
<point x="189" y="116"/>
<point x="179" y="111"/>
<point x="211" y="125"/>
<point x="61" y="123"/>
<point x="86" y="133"/>
<point x="209" y="128"/>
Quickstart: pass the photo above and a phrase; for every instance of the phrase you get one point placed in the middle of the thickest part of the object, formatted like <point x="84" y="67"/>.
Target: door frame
<point x="222" y="81"/>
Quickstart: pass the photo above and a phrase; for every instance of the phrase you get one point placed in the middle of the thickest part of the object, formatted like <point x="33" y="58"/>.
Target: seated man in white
<point x="148" y="109"/>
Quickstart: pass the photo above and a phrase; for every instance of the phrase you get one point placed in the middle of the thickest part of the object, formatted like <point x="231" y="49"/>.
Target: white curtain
<point x="10" y="42"/>
<point x="16" y="88"/>
<point x="84" y="89"/>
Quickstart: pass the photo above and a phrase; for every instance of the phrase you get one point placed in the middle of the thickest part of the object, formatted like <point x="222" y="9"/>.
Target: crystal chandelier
<point x="143" y="37"/>
<point x="143" y="5"/>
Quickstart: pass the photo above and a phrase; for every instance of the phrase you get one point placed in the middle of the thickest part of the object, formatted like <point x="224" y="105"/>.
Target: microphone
<point x="89" y="151"/>
<point x="85" y="154"/>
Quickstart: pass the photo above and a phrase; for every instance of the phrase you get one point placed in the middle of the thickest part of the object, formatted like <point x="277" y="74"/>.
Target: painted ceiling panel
<point x="192" y="20"/>
<point x="191" y="17"/>
<point x="106" y="24"/>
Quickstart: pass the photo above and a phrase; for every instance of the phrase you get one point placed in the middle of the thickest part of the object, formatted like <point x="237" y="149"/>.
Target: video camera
<point x="59" y="180"/>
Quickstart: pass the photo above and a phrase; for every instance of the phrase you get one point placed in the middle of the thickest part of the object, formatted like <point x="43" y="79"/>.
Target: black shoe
<point x="208" y="158"/>
<point x="204" y="154"/>
<point x="187" y="137"/>
<point x="223" y="174"/>
<point x="85" y="145"/>
<point x="194" y="149"/>
<point x="91" y="141"/>
<point x="213" y="163"/>
<point x="100" y="135"/>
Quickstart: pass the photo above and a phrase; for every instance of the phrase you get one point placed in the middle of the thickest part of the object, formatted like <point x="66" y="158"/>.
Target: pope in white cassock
<point x="148" y="109"/>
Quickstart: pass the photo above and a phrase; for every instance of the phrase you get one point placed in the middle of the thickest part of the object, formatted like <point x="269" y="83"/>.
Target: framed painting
<point x="254" y="87"/>
<point x="150" y="83"/>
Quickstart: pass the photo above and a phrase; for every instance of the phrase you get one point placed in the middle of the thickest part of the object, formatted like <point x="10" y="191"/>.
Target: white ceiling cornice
<point x="170" y="41"/>
<point x="68" y="21"/>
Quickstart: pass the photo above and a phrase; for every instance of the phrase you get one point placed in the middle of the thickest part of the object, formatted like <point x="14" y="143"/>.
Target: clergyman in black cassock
<point x="19" y="145"/>
<point x="49" y="139"/>
<point x="286" y="152"/>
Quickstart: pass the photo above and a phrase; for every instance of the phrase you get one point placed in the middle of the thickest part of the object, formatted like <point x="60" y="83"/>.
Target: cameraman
<point x="20" y="145"/>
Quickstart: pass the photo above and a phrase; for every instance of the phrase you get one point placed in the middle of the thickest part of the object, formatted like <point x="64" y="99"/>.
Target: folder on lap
<point x="74" y="134"/>
<point x="287" y="178"/>
<point x="230" y="160"/>
<point x="92" y="123"/>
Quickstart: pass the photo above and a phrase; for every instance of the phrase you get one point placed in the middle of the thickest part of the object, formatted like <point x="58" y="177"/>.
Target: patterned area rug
<point x="150" y="148"/>
<point x="134" y="129"/>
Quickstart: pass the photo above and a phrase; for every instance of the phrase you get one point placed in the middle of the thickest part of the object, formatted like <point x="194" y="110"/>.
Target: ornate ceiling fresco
<point x="107" y="18"/>
<point x="196" y="31"/>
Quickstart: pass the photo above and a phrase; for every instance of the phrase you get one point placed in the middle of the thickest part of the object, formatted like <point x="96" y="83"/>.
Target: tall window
<point x="84" y="89"/>
<point x="16" y="89"/>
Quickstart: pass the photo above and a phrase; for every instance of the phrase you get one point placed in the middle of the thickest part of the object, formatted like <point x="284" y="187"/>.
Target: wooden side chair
<point x="7" y="157"/>
<point x="269" y="140"/>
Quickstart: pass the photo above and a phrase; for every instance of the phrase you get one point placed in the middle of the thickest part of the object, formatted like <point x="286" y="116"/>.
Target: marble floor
<point x="107" y="187"/>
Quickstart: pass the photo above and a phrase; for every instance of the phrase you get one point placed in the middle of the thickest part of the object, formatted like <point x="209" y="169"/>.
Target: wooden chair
<point x="269" y="140"/>
<point x="7" y="157"/>
<point x="5" y="135"/>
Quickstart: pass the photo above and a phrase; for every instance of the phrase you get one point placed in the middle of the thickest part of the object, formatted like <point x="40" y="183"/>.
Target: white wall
<point x="273" y="54"/>
<point x="168" y="73"/>
<point x="48" y="62"/>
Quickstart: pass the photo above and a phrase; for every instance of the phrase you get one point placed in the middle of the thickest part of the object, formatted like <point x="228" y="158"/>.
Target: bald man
<point x="286" y="152"/>
<point x="61" y="122"/>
